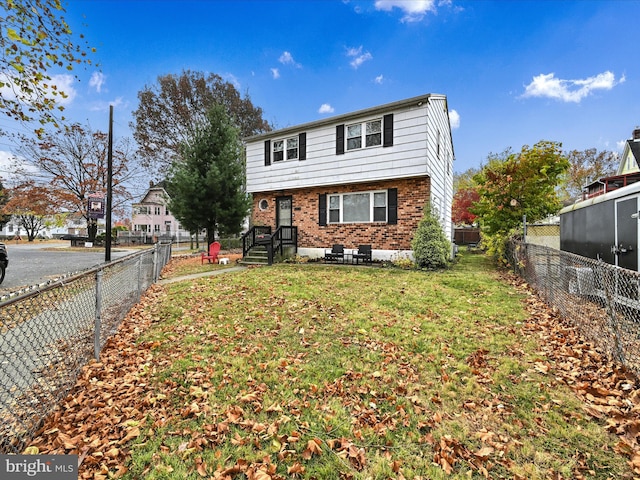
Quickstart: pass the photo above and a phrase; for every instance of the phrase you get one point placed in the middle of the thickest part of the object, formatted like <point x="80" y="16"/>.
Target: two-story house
<point x="152" y="220"/>
<point x="359" y="178"/>
<point x="628" y="170"/>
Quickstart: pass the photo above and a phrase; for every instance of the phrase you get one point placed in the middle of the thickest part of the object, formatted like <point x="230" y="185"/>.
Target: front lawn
<point x="321" y="372"/>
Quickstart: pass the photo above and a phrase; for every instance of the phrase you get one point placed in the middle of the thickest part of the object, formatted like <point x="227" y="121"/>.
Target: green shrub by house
<point x="431" y="249"/>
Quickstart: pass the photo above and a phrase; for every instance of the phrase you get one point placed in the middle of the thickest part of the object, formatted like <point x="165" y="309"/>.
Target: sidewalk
<point x="200" y="275"/>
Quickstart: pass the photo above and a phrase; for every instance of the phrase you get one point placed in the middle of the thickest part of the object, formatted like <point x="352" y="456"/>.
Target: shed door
<point x="627" y="233"/>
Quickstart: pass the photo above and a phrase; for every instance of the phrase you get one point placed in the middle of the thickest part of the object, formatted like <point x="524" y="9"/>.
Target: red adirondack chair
<point x="212" y="254"/>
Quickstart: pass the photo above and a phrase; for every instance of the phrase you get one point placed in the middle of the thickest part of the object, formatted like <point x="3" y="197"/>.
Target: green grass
<point x="390" y="374"/>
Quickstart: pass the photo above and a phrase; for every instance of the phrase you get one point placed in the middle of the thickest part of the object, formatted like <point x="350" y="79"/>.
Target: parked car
<point x="4" y="260"/>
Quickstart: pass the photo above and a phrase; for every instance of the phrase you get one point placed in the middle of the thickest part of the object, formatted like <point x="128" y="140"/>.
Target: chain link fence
<point x="547" y="234"/>
<point x="49" y="334"/>
<point x="602" y="300"/>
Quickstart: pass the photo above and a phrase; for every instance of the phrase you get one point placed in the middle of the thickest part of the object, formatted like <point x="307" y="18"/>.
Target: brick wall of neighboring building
<point x="413" y="193"/>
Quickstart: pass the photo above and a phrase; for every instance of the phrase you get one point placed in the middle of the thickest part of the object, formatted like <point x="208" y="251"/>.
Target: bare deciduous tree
<point x="171" y="111"/>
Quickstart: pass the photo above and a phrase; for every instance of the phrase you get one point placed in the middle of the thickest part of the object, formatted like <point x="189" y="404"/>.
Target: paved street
<point x="37" y="262"/>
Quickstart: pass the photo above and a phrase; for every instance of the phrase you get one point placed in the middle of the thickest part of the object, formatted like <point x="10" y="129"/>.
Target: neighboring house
<point x="628" y="171"/>
<point x="74" y="224"/>
<point x="359" y="178"/>
<point x="152" y="220"/>
<point x="606" y="225"/>
<point x="630" y="160"/>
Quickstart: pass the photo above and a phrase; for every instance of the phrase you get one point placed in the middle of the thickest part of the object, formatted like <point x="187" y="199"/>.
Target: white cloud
<point x="454" y="119"/>
<point x="414" y="10"/>
<point x="63" y="83"/>
<point x="57" y="84"/>
<point x="379" y="79"/>
<point x="275" y="73"/>
<point x="104" y="106"/>
<point x="287" y="59"/>
<point x="325" y="108"/>
<point x="233" y="79"/>
<point x="547" y="85"/>
<point x="13" y="168"/>
<point x="97" y="80"/>
<point x="358" y="57"/>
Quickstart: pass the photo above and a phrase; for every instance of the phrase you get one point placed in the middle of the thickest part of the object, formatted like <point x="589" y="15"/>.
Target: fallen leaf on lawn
<point x="133" y="433"/>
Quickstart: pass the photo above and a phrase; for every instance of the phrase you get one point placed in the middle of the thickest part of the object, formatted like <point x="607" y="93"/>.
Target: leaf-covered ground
<point x="311" y="371"/>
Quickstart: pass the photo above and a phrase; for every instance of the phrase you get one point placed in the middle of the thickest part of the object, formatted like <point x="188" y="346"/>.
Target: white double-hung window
<point x="372" y="134"/>
<point x="360" y="207"/>
<point x="285" y="149"/>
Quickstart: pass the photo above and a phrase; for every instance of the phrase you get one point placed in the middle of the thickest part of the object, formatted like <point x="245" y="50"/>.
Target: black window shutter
<point x="267" y="153"/>
<point x="322" y="209"/>
<point x="339" y="139"/>
<point x="302" y="145"/>
<point x="387" y="135"/>
<point x="392" y="206"/>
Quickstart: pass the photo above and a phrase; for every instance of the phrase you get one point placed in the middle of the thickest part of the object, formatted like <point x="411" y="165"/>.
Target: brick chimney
<point x="636" y="135"/>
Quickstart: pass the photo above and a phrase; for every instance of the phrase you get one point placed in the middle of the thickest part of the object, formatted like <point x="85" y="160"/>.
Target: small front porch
<point x="261" y="246"/>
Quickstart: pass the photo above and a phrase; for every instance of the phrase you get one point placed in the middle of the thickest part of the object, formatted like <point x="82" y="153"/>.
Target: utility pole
<point x="107" y="240"/>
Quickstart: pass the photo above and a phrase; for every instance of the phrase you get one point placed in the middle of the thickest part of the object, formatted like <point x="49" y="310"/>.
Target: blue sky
<point x="514" y="72"/>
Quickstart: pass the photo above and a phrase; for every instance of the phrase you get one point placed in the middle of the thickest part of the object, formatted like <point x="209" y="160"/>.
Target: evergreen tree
<point x="206" y="187"/>
<point x="431" y="248"/>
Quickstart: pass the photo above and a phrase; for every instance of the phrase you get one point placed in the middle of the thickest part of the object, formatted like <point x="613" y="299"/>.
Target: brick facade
<point x="413" y="193"/>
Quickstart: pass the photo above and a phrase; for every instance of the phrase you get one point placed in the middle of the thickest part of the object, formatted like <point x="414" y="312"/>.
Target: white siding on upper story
<point x="422" y="146"/>
<point x="441" y="162"/>
<point x="409" y="156"/>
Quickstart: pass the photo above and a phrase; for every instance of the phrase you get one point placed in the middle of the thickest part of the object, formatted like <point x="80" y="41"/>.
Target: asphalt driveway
<point x="37" y="262"/>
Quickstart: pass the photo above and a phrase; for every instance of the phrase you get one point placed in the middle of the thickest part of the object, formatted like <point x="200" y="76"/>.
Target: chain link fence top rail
<point x="48" y="335"/>
<point x="601" y="300"/>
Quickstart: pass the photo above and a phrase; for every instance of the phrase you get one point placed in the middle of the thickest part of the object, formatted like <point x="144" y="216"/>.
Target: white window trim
<point x="371" y="207"/>
<point x="285" y="149"/>
<point x="363" y="134"/>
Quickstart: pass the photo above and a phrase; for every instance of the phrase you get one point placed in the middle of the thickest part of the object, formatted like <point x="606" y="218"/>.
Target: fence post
<point x="98" y="321"/>
<point x="610" y="293"/>
<point x="139" y="268"/>
<point x="155" y="263"/>
<point x="548" y="277"/>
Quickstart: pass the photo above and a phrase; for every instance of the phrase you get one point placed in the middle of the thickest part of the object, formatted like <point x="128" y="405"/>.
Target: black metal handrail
<point x="282" y="237"/>
<point x="249" y="237"/>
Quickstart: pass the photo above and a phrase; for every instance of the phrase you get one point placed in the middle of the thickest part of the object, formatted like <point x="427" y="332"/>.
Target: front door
<point x="626" y="247"/>
<point x="284" y="215"/>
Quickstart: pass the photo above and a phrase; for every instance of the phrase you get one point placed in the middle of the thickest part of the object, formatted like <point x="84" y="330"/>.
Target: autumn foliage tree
<point x="463" y="201"/>
<point x="513" y="185"/>
<point x="74" y="161"/>
<point x="4" y="198"/>
<point x="587" y="166"/>
<point x="170" y="113"/>
<point x="35" y="40"/>
<point x="30" y="205"/>
<point x="464" y="197"/>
